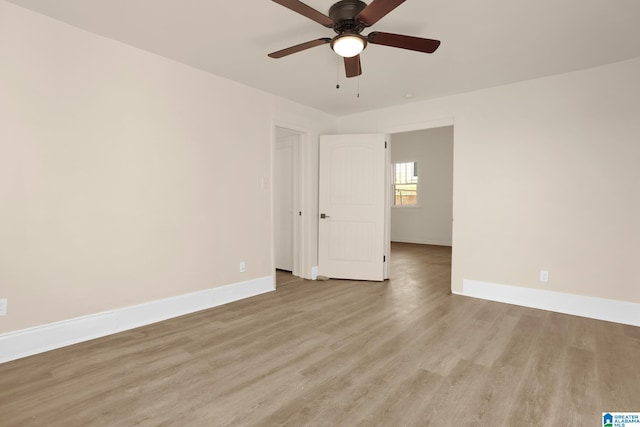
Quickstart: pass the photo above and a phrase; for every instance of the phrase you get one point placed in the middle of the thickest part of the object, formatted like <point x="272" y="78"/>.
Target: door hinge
<point x="384" y="258"/>
<point x="385" y="144"/>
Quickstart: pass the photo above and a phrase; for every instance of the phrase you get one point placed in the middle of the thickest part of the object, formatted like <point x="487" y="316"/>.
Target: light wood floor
<point x="401" y="352"/>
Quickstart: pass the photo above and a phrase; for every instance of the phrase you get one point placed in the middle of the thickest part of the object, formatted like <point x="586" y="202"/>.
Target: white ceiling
<point x="484" y="43"/>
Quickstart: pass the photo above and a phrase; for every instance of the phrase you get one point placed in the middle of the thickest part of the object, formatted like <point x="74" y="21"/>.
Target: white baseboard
<point x="27" y="342"/>
<point x="627" y="313"/>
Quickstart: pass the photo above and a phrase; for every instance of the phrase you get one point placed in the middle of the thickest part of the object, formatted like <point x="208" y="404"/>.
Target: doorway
<point x="288" y="246"/>
<point x="422" y="213"/>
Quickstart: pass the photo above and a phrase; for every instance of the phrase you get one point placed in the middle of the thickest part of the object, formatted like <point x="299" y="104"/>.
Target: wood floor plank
<point x="577" y="390"/>
<point x="617" y="367"/>
<point x="403" y="352"/>
<point x="450" y="397"/>
<point x="537" y="396"/>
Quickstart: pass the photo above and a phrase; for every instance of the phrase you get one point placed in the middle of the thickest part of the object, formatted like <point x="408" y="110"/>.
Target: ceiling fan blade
<point x="352" y="66"/>
<point x="376" y="10"/>
<point x="404" y="42"/>
<point x="308" y="11"/>
<point x="299" y="47"/>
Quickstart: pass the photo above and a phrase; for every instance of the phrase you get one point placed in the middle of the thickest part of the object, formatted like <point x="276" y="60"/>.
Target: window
<point x="405" y="184"/>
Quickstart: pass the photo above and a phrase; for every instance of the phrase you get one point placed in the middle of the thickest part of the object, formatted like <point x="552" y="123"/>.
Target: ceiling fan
<point x="348" y="18"/>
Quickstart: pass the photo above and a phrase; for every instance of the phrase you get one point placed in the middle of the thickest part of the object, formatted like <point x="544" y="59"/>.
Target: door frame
<point x="301" y="264"/>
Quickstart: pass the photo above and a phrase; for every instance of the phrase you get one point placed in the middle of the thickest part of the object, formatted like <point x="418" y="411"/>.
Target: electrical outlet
<point x="243" y="266"/>
<point x="3" y="307"/>
<point x="544" y="276"/>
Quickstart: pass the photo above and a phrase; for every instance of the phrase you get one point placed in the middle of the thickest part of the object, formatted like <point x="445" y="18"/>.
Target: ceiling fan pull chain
<point x="358" y="86"/>
<point x="338" y="72"/>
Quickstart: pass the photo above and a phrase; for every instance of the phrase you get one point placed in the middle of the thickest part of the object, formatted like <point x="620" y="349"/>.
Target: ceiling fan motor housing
<point x="344" y="14"/>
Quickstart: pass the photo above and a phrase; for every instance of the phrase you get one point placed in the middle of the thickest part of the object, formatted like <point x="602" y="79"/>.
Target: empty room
<point x="275" y="212"/>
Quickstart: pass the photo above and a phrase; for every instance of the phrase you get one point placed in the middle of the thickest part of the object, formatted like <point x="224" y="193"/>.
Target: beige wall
<point x="546" y="176"/>
<point x="430" y="221"/>
<point x="126" y="177"/>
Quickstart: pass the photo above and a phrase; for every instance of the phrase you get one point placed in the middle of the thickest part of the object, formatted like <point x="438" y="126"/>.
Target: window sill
<point x="407" y="207"/>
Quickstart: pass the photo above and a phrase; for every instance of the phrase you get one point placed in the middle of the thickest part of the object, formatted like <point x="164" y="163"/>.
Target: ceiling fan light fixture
<point x="348" y="45"/>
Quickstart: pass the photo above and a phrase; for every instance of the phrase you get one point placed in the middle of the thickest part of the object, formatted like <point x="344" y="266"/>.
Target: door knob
<point x="323" y="216"/>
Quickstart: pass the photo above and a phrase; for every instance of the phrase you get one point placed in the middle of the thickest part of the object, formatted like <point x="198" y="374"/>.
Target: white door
<point x="352" y="202"/>
<point x="283" y="202"/>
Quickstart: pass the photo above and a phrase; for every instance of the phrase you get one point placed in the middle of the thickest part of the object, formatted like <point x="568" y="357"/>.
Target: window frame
<point x="414" y="171"/>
